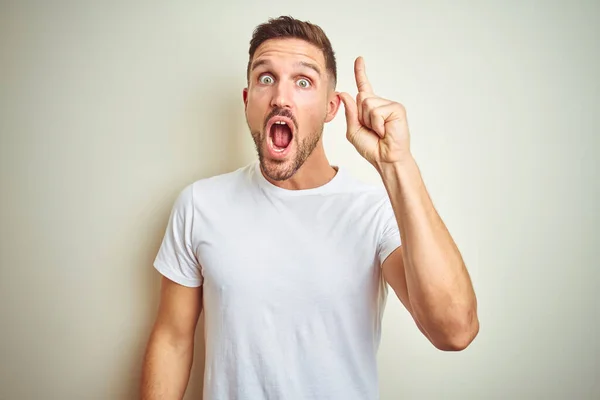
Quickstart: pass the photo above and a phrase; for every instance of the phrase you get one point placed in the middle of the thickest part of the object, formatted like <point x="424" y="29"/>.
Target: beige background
<point x="108" y="109"/>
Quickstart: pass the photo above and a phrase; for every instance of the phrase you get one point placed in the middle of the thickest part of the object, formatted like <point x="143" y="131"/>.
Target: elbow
<point x="167" y="339"/>
<point x="460" y="336"/>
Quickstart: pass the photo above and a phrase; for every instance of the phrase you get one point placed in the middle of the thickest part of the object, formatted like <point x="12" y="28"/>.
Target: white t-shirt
<point x="293" y="292"/>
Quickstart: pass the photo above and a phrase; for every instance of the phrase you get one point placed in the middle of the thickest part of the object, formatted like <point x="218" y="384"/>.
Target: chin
<point x="279" y="169"/>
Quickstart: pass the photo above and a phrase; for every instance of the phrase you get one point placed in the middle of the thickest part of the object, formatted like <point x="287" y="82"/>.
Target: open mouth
<point x="280" y="134"/>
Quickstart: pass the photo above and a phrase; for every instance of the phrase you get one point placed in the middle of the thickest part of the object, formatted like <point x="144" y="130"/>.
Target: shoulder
<point x="220" y="186"/>
<point x="215" y="189"/>
<point x="368" y="193"/>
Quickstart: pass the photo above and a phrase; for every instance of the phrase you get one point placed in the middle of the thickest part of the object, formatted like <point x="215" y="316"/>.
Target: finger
<point x="378" y="122"/>
<point x="351" y="111"/>
<point x="360" y="73"/>
<point x="384" y="114"/>
<point x="359" y="102"/>
<point x="360" y="98"/>
<point x="367" y="107"/>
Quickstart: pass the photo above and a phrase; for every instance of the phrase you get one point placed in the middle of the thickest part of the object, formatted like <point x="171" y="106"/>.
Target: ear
<point x="333" y="105"/>
<point x="245" y="97"/>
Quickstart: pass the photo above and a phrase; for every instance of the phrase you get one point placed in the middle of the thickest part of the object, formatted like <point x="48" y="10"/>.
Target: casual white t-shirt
<point x="293" y="292"/>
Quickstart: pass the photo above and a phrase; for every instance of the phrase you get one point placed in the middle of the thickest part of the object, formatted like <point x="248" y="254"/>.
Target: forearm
<point x="439" y="287"/>
<point x="166" y="368"/>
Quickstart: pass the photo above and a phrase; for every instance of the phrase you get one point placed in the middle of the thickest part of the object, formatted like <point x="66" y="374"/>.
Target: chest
<point x="289" y="254"/>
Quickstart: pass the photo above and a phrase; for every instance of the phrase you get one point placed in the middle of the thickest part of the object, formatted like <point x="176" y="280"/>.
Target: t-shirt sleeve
<point x="176" y="258"/>
<point x="390" y="234"/>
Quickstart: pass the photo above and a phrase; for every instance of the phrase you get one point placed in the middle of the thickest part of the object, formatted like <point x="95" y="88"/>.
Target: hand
<point x="376" y="127"/>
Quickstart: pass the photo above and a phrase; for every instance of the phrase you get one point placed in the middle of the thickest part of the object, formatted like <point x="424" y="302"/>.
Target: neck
<point x="316" y="171"/>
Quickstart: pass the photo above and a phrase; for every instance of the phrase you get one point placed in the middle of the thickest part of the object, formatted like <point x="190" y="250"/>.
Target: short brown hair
<point x="289" y="27"/>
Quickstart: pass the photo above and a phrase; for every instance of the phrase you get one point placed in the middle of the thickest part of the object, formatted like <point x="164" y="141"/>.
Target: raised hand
<point x="377" y="127"/>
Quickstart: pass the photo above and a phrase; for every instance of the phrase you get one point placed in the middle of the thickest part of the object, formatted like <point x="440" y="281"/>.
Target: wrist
<point x="387" y="170"/>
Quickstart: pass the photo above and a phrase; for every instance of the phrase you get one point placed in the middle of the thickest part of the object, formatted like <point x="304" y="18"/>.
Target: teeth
<point x="280" y="123"/>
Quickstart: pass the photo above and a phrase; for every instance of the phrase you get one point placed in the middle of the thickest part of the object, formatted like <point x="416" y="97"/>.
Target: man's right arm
<point x="170" y="349"/>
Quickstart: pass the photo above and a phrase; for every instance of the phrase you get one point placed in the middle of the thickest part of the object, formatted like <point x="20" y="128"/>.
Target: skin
<point x="427" y="272"/>
<point x="278" y="81"/>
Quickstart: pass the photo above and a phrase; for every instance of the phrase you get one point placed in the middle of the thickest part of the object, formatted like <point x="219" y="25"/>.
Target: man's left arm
<point x="428" y="267"/>
<point x="427" y="272"/>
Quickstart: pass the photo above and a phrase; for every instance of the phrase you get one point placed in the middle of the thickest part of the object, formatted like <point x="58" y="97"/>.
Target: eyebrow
<point x="305" y="64"/>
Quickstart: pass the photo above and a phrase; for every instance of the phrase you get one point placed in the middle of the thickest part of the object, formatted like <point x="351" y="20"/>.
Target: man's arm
<point x="428" y="270"/>
<point x="393" y="272"/>
<point x="429" y="273"/>
<point x="169" y="353"/>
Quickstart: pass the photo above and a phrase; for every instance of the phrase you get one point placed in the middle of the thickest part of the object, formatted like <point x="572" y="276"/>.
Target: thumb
<point x="351" y="111"/>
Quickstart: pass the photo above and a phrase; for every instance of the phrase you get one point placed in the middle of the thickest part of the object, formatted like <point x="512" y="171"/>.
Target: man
<point x="289" y="257"/>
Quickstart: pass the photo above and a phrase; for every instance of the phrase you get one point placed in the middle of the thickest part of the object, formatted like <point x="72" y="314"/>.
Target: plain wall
<point x="108" y="109"/>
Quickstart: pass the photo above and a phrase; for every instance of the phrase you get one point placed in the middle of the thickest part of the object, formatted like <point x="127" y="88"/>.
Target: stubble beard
<point x="280" y="170"/>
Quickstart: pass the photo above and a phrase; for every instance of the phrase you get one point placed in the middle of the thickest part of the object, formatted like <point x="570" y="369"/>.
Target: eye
<point x="266" y="79"/>
<point x="303" y="83"/>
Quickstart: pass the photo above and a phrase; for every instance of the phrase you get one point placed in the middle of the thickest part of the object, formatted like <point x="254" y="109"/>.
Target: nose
<point x="282" y="96"/>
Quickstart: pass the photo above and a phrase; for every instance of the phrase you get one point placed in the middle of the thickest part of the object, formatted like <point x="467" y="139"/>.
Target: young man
<point x="289" y="257"/>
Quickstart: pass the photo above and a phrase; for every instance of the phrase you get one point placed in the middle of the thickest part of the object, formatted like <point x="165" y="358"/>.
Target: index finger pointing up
<point x="362" y="82"/>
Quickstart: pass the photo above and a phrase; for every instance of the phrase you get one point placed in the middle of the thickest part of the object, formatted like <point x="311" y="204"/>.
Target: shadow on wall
<point x="232" y="145"/>
<point x="224" y="136"/>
